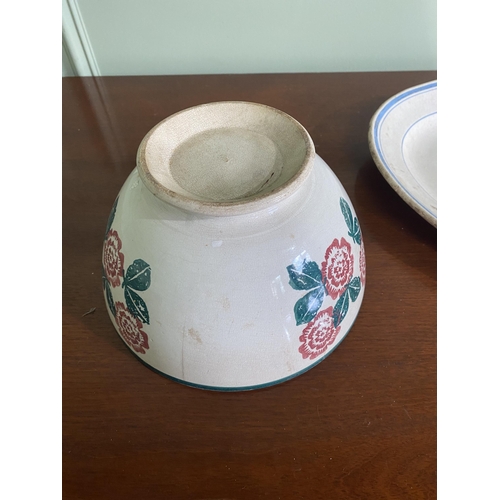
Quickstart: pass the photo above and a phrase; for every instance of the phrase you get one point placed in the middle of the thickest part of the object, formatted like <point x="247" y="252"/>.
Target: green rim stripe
<point x="243" y="388"/>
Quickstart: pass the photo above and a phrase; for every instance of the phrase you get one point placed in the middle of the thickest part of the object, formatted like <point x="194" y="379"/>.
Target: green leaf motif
<point x="356" y="233"/>
<point x="307" y="307"/>
<point x="354" y="288"/>
<point x="111" y="217"/>
<point x="136" y="305"/>
<point x="352" y="222"/>
<point x="109" y="297"/>
<point x="340" y="309"/>
<point x="346" y="212"/>
<point x="304" y="275"/>
<point x="138" y="276"/>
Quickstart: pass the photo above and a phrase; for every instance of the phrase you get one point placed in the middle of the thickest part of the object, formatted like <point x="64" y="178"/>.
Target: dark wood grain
<point x="360" y="425"/>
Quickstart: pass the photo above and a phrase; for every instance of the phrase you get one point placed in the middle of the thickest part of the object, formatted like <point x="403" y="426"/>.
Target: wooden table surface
<point x="360" y="425"/>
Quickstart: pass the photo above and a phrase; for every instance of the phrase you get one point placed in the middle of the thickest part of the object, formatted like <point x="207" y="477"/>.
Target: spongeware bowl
<point x="233" y="258"/>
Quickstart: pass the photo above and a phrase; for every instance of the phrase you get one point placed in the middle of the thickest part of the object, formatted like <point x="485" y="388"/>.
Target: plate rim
<point x="381" y="163"/>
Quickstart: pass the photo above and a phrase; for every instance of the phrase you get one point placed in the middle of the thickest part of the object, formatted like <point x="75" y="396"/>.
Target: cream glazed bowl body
<point x="233" y="258"/>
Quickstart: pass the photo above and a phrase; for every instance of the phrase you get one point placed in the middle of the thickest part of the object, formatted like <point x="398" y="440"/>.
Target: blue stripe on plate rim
<point x="406" y="133"/>
<point x="378" y="120"/>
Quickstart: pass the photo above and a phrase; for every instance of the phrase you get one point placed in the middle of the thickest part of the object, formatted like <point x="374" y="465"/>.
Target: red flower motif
<point x="131" y="329"/>
<point x="318" y="334"/>
<point x="112" y="258"/>
<point x="338" y="267"/>
<point x="362" y="263"/>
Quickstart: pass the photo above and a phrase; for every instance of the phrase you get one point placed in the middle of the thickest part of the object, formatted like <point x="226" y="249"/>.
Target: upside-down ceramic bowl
<point x="233" y="258"/>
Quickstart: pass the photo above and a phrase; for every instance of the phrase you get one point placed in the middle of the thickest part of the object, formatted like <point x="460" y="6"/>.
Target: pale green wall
<point x="140" y="37"/>
<point x="67" y="68"/>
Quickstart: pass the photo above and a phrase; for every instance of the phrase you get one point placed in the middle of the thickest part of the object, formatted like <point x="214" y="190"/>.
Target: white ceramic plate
<point x="403" y="143"/>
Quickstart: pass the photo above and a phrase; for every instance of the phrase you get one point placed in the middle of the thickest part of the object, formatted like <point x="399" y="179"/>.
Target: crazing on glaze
<point x="334" y="279"/>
